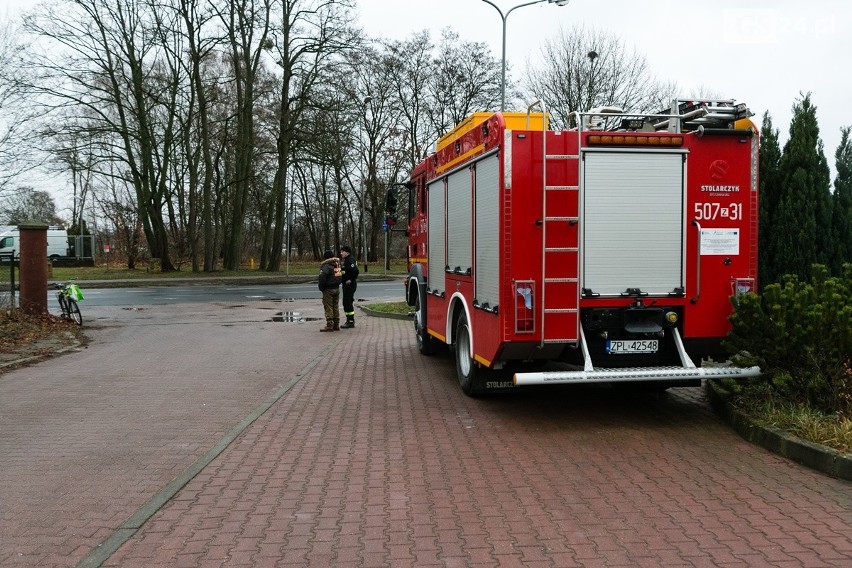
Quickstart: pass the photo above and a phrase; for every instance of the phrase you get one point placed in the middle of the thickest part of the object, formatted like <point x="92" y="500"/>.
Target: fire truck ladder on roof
<point x="560" y="298"/>
<point x="702" y="114"/>
<point x="718" y="116"/>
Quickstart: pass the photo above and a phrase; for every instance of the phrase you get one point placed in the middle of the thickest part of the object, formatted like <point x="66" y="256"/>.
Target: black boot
<point x="350" y="322"/>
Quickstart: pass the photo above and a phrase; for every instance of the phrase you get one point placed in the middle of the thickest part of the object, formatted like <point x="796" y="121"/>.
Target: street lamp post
<point x="289" y="226"/>
<point x="504" y="17"/>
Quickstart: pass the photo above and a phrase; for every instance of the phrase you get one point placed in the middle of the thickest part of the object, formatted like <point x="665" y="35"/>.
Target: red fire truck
<point x="609" y="251"/>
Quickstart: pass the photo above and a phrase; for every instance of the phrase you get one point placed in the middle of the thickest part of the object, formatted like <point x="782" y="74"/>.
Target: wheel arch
<point x="416" y="284"/>
<point x="456" y="307"/>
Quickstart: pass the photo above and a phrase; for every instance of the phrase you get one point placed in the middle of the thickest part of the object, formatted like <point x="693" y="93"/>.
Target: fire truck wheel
<point x="466" y="368"/>
<point x="425" y="342"/>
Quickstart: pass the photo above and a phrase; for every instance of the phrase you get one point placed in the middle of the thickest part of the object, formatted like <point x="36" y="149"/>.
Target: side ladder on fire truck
<point x="560" y="266"/>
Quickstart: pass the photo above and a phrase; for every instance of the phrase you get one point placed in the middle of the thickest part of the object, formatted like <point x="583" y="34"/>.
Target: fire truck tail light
<point x="631" y="140"/>
<point x="525" y="306"/>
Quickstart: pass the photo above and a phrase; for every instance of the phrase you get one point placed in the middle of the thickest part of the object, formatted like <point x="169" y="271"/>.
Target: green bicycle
<point x="68" y="295"/>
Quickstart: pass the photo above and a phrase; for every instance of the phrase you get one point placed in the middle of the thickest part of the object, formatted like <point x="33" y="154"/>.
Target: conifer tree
<point x="841" y="221"/>
<point x="801" y="228"/>
<point x="770" y="189"/>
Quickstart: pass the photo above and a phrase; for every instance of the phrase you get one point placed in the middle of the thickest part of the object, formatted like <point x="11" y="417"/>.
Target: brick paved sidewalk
<point x="87" y="438"/>
<point x="374" y="458"/>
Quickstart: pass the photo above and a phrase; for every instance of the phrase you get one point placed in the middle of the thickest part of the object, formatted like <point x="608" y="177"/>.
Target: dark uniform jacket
<point x="350" y="271"/>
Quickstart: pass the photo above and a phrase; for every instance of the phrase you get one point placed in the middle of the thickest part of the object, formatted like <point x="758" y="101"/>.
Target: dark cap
<point x="346" y="248"/>
<point x="327" y="254"/>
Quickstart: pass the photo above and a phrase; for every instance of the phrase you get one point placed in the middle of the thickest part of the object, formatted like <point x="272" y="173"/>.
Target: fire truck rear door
<point x="632" y="222"/>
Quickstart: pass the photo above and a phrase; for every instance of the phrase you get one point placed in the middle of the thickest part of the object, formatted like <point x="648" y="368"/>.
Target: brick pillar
<point x="33" y="268"/>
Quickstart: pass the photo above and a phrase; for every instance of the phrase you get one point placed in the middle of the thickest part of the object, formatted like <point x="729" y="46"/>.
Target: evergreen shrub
<point x="800" y="333"/>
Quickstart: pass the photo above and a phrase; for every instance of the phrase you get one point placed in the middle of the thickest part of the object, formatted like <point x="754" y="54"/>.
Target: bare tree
<point x="418" y="90"/>
<point x="206" y="108"/>
<point x="381" y="145"/>
<point x="27" y="204"/>
<point x="309" y="36"/>
<point x="467" y="79"/>
<point x="16" y="155"/>
<point x="101" y="58"/>
<point x="75" y="152"/>
<point x="117" y="203"/>
<point x="585" y="69"/>
<point x="189" y="40"/>
<point x="200" y="47"/>
<point x="411" y="66"/>
<point x="319" y="171"/>
<point x="247" y="26"/>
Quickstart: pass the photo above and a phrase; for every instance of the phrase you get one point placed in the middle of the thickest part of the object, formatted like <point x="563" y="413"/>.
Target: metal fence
<point x="7" y="269"/>
<point x="81" y="247"/>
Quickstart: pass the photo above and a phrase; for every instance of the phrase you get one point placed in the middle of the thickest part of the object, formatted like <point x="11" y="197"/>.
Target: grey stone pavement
<point x="210" y="435"/>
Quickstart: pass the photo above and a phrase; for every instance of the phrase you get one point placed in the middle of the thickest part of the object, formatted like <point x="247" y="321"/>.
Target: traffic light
<point x="390" y="207"/>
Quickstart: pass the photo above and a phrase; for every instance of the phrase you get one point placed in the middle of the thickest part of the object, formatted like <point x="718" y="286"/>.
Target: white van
<point x="57" y="242"/>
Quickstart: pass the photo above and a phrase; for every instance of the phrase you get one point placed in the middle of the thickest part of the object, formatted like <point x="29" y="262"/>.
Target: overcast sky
<point x="761" y="52"/>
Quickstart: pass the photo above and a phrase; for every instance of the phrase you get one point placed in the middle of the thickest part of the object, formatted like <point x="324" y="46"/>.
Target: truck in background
<point x="57" y="242"/>
<point x="612" y="248"/>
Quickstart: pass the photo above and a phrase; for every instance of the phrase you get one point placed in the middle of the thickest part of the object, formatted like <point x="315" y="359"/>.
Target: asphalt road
<point x="392" y="290"/>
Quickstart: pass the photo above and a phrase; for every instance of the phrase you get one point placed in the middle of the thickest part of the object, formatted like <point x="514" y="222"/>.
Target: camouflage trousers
<point x="331" y="303"/>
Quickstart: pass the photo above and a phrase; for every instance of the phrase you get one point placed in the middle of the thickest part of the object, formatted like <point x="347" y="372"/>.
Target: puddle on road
<point x="292" y="317"/>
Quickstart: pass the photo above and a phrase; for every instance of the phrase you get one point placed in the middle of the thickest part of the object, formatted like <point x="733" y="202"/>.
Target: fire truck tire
<point x="467" y="369"/>
<point x="426" y="344"/>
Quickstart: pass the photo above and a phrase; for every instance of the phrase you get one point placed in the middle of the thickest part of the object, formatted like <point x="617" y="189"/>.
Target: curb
<point x="815" y="456"/>
<point x="387" y="315"/>
<point x="73" y="344"/>
<point x="248" y="280"/>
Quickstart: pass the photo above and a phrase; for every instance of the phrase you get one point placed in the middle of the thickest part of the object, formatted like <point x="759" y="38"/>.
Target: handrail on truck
<point x="539" y="103"/>
<point x="694" y="299"/>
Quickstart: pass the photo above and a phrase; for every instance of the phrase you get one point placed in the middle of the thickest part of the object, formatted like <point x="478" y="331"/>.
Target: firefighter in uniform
<point x="349" y="276"/>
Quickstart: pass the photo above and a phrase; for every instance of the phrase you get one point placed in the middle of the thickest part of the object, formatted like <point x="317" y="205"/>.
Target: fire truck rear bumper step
<point x="634" y="374"/>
